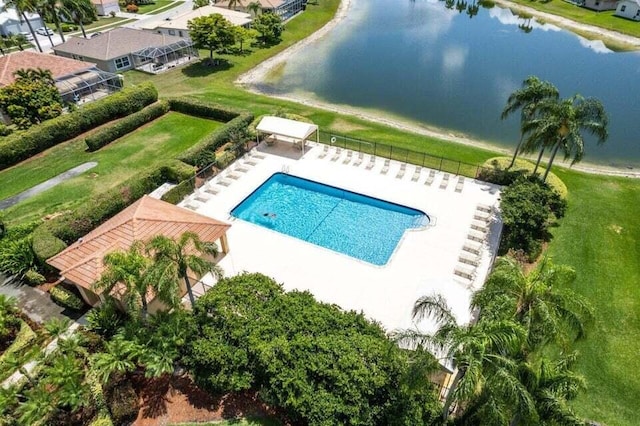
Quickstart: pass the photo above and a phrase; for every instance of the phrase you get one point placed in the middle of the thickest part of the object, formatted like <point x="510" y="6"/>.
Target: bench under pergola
<point x="285" y="130"/>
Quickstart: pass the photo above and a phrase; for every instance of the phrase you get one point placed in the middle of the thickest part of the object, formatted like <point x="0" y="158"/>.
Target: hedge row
<point x="203" y="109"/>
<point x="178" y="192"/>
<point x="20" y="146"/>
<point x="203" y="153"/>
<point x="126" y="125"/>
<point x="65" y="298"/>
<point x="67" y="229"/>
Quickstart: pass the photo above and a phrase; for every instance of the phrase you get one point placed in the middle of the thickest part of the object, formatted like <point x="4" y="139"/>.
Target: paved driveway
<point x="33" y="302"/>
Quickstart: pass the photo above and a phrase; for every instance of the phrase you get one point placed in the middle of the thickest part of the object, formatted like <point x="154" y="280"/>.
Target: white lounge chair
<point x="479" y="225"/>
<point x="337" y="154"/>
<point x="385" y="168"/>
<point x="371" y="163"/>
<point x="445" y="181"/>
<point x="465" y="271"/>
<point x="224" y="182"/>
<point x="469" y="258"/>
<point x="232" y="175"/>
<point x="203" y="198"/>
<point x="472" y="247"/>
<point x="359" y="159"/>
<point x="210" y="189"/>
<point x="482" y="215"/>
<point x="460" y="184"/>
<point x="430" y="178"/>
<point x="240" y="169"/>
<point x="403" y="168"/>
<point x="348" y="157"/>
<point x="484" y="207"/>
<point x="416" y="174"/>
<point x="256" y="154"/>
<point x="324" y="152"/>
<point x="476" y="235"/>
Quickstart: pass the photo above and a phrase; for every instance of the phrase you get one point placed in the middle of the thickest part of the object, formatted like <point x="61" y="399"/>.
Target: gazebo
<point x="285" y="130"/>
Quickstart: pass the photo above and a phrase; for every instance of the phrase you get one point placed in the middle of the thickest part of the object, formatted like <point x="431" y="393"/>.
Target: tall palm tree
<point x="18" y="40"/>
<point x="538" y="301"/>
<point x="131" y="270"/>
<point x="234" y="3"/>
<point x="50" y="9"/>
<point x="477" y="350"/>
<point x="79" y="12"/>
<point x="173" y="259"/>
<point x="254" y="7"/>
<point x="559" y="124"/>
<point x="527" y="99"/>
<point x="23" y="7"/>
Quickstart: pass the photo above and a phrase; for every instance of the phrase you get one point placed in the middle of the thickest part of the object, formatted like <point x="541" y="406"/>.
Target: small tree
<point x="32" y="98"/>
<point x="243" y="35"/>
<point x="269" y="27"/>
<point x="254" y="7"/>
<point x="212" y="32"/>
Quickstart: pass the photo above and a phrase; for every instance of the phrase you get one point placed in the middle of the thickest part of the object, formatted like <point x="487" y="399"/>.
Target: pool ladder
<point x="285" y="168"/>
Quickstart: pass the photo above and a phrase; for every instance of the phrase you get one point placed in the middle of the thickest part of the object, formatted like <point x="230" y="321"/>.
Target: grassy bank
<point x="118" y="161"/>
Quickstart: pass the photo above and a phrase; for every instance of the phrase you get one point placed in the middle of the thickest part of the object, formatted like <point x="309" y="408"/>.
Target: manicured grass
<point x="600" y="237"/>
<point x="103" y="21"/>
<point x="150" y="145"/>
<point x="603" y="19"/>
<point x="149" y="8"/>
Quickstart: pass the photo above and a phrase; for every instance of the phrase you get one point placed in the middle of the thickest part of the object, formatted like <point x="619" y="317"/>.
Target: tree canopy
<point x="319" y="363"/>
<point x="212" y="32"/>
<point x="269" y="27"/>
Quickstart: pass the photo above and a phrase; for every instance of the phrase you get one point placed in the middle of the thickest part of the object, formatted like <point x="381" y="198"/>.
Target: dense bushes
<point x="320" y="364"/>
<point x="123" y="402"/>
<point x="45" y="244"/>
<point x="203" y="153"/>
<point x="17" y="257"/>
<point x="528" y="207"/>
<point x="178" y="192"/>
<point x="66" y="298"/>
<point x="18" y="147"/>
<point x="126" y="125"/>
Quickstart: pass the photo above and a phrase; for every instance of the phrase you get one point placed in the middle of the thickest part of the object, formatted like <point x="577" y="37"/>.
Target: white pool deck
<point x="423" y="262"/>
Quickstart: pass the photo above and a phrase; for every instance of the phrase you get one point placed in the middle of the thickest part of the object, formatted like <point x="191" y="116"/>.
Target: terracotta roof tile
<point x="81" y="262"/>
<point x="58" y="65"/>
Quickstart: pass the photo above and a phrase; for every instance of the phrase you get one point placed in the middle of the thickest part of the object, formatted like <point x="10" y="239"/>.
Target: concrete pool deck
<point x="423" y="262"/>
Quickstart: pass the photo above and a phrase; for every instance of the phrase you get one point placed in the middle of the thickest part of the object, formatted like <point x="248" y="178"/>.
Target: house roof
<point x="104" y="2"/>
<point x="114" y="44"/>
<point x="12" y="15"/>
<point x="180" y="21"/>
<point x="81" y="262"/>
<point x="59" y="66"/>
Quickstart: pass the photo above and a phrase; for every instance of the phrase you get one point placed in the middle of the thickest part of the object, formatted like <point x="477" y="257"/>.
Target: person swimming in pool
<point x="267" y="214"/>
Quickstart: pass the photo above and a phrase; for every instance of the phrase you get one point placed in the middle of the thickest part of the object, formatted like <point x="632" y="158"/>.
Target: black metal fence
<point x="402" y="154"/>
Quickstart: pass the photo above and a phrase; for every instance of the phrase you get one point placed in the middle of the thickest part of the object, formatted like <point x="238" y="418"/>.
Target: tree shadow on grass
<point x="206" y="67"/>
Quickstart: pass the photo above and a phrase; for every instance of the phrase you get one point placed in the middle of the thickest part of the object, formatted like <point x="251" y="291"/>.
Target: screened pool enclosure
<point x="156" y="59"/>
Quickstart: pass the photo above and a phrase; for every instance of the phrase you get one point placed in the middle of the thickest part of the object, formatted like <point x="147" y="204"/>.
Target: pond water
<point x="438" y="66"/>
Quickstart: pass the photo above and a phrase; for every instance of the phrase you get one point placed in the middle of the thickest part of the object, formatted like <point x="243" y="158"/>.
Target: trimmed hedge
<point x="71" y="227"/>
<point x="65" y="298"/>
<point x="203" y="109"/>
<point x="18" y="147"/>
<point x="178" y="192"/>
<point x="126" y="125"/>
<point x="203" y="153"/>
<point x="45" y="244"/>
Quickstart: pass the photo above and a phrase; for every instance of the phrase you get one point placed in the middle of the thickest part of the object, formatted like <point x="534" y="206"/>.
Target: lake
<point x="424" y="62"/>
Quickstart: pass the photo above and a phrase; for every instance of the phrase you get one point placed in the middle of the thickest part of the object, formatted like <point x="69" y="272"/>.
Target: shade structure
<point x="287" y="130"/>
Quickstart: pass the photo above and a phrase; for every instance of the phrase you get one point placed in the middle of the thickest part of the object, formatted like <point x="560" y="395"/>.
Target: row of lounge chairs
<point x="359" y="159"/>
<point x="222" y="180"/>
<point x="471" y="252"/>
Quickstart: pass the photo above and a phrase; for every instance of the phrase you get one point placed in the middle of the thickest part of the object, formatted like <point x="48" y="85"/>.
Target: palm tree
<point x="526" y="100"/>
<point x="55" y="327"/>
<point x="79" y="12"/>
<point x="19" y="40"/>
<point x="475" y="349"/>
<point x="559" y="124"/>
<point x="174" y="259"/>
<point x="22" y="7"/>
<point x="254" y="7"/>
<point x="234" y="3"/>
<point x="30" y="74"/>
<point x="37" y="407"/>
<point x="131" y="270"/>
<point x="51" y="10"/>
<point x="537" y="301"/>
<point x="119" y="357"/>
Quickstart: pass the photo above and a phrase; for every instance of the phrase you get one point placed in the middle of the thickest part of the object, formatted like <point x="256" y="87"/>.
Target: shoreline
<point x="251" y="78"/>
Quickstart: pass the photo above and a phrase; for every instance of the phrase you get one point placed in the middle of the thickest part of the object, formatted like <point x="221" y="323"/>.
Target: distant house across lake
<point x="600" y="5"/>
<point x="283" y="8"/>
<point x="629" y="9"/>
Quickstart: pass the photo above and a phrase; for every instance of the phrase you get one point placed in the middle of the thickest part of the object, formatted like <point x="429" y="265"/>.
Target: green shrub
<point x="101" y="420"/>
<point x="66" y="298"/>
<point x="226" y="158"/>
<point x="33" y="277"/>
<point x="178" y="192"/>
<point x="17" y="257"/>
<point x="203" y="109"/>
<point x="126" y="125"/>
<point x="203" y="153"/>
<point x="18" y="147"/>
<point x="23" y="339"/>
<point x="105" y="319"/>
<point x="5" y="130"/>
<point x="68" y="27"/>
<point x="497" y="170"/>
<point x="45" y="245"/>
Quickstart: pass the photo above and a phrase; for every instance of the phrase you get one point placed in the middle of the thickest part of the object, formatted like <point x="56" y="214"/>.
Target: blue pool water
<point x="363" y="227"/>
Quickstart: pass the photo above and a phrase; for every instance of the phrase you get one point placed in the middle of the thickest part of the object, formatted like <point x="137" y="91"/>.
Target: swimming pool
<point x="359" y="226"/>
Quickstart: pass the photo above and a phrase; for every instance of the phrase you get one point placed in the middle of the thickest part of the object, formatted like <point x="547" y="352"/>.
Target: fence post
<point x="440" y="166"/>
<point x="458" y="172"/>
<point x="391" y="152"/>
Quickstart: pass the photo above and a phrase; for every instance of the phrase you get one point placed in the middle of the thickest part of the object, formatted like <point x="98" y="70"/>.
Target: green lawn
<point x="154" y="8"/>
<point x="103" y="21"/>
<point x="579" y="14"/>
<point x="150" y="145"/>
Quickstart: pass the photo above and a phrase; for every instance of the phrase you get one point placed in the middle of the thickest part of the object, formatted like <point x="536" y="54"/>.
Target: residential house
<point x="81" y="264"/>
<point x="105" y="7"/>
<point x="283" y="8"/>
<point x="77" y="81"/>
<point x="178" y="23"/>
<point x="13" y="23"/>
<point x="600" y="5"/>
<point x="122" y="49"/>
<point x="629" y="9"/>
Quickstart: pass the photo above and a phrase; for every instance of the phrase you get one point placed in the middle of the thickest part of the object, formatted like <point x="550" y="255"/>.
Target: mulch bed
<point x="169" y="400"/>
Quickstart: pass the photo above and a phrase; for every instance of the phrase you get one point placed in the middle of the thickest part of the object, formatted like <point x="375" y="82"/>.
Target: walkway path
<point x="35" y="303"/>
<point x="35" y="190"/>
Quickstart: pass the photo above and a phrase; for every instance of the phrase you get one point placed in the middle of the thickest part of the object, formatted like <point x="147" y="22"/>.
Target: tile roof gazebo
<point x="81" y="265"/>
